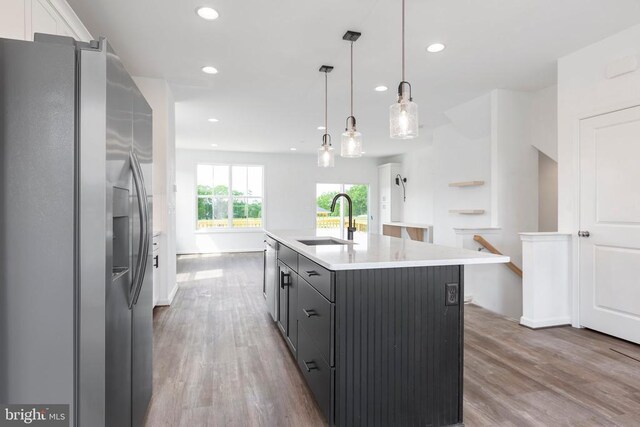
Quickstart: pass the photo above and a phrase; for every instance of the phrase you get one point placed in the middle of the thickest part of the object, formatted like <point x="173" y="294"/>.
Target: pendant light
<point x="403" y="115"/>
<point x="351" y="145"/>
<point x="325" y="152"/>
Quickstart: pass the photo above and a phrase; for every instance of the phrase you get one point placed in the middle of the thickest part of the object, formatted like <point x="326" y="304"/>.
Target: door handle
<point x="143" y="248"/>
<point x="584" y="234"/>
<point x="136" y="182"/>
<point x="312" y="273"/>
<point x="147" y="241"/>
<point x="155" y="261"/>
<point x="284" y="276"/>
<point x="310" y="312"/>
<point x="310" y="366"/>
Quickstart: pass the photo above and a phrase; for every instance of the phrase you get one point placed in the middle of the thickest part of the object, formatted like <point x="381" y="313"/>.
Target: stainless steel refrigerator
<point x="75" y="230"/>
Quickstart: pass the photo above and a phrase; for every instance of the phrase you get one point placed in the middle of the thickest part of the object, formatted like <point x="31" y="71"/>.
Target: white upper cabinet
<point x="20" y="19"/>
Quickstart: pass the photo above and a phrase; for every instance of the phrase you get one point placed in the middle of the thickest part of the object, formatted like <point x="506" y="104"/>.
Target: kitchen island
<point x="375" y="324"/>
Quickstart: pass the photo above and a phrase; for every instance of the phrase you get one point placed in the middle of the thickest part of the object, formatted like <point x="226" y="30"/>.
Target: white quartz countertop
<point x="369" y="251"/>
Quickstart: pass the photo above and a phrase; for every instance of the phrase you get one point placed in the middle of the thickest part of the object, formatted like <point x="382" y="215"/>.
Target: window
<point x="229" y="196"/>
<point x="335" y="223"/>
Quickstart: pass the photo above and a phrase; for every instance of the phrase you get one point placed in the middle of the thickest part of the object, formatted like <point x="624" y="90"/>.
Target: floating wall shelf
<point x="467" y="211"/>
<point x="466" y="184"/>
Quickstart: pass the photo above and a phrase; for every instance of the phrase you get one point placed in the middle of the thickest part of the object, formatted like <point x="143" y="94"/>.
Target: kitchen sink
<point x="323" y="242"/>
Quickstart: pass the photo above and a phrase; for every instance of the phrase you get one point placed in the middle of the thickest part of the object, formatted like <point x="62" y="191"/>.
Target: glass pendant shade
<point x="351" y="145"/>
<point x="403" y="120"/>
<point x="403" y="115"/>
<point x="351" y="141"/>
<point x="326" y="157"/>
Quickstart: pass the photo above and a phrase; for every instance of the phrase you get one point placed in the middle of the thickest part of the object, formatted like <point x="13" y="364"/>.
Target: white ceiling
<point x="268" y="94"/>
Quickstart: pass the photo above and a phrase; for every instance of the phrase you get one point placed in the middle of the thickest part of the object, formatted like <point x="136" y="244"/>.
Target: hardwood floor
<point x="220" y="361"/>
<point x="515" y="376"/>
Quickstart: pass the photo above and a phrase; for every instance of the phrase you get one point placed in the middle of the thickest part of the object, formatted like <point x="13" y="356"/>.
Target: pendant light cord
<point x="351" y="79"/>
<point x="403" y="40"/>
<point x="326" y="95"/>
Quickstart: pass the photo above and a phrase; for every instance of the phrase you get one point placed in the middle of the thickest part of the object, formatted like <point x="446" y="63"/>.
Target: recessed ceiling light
<point x="321" y="128"/>
<point x="207" y="13"/>
<point x="293" y="149"/>
<point x="381" y="88"/>
<point x="212" y="120"/>
<point x="210" y="70"/>
<point x="435" y="47"/>
<point x="214" y="145"/>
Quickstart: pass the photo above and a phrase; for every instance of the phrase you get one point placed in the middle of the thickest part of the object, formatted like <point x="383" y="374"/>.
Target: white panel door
<point x="610" y="213"/>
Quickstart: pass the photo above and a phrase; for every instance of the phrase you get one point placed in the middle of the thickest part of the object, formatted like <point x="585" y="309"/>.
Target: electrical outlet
<point x="451" y="294"/>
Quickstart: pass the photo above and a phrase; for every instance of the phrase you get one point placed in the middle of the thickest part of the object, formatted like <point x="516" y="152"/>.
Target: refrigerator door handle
<point x="142" y="248"/>
<point x="146" y="240"/>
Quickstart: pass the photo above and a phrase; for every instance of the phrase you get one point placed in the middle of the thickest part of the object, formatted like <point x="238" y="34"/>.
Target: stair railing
<point x="493" y="250"/>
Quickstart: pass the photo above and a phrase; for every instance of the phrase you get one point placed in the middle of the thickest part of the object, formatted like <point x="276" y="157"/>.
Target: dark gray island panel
<point x="398" y="347"/>
<point x="376" y="346"/>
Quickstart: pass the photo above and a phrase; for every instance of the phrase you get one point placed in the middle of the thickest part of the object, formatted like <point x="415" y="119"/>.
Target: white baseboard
<point x="545" y="323"/>
<point x="169" y="300"/>
<point x="468" y="299"/>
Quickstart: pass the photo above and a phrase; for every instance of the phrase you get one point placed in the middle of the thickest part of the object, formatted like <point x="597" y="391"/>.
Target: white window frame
<point x="344" y="212"/>
<point x="230" y="228"/>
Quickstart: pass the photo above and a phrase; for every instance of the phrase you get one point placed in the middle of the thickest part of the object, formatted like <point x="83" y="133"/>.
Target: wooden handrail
<point x="493" y="250"/>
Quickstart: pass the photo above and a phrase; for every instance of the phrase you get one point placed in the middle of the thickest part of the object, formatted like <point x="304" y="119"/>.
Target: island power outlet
<point x="452" y="294"/>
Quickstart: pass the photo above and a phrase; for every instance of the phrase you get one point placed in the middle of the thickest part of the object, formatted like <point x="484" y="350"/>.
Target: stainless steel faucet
<point x="350" y="228"/>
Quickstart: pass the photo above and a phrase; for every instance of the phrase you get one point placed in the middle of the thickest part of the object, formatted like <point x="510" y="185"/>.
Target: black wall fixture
<point x="401" y="180"/>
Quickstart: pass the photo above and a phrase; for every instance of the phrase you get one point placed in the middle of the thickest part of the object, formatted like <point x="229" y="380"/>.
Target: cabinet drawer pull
<point x="155" y="261"/>
<point x="310" y="312"/>
<point x="310" y="366"/>
<point x="312" y="273"/>
<point x="285" y="279"/>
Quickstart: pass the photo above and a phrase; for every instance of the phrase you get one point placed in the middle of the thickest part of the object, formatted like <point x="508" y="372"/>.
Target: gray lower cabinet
<point x="318" y="374"/>
<point x="316" y="315"/>
<point x="377" y="347"/>
<point x="287" y="304"/>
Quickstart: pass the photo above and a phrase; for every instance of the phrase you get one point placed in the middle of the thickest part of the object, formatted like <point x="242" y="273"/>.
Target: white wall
<point x="290" y="195"/>
<point x="20" y="19"/>
<point x="12" y="20"/>
<point x="547" y="193"/>
<point x="489" y="139"/>
<point x="544" y="121"/>
<point x="584" y="91"/>
<point x="517" y="169"/>
<point x="160" y="98"/>
<point x="417" y="167"/>
<point x="544" y="137"/>
<point x="459" y="151"/>
<point x="514" y="194"/>
<point x="456" y="159"/>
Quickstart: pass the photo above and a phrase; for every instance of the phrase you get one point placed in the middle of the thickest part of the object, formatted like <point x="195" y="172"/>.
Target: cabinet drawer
<point x="318" y="375"/>
<point x="316" y="315"/>
<point x="288" y="256"/>
<point x="319" y="277"/>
